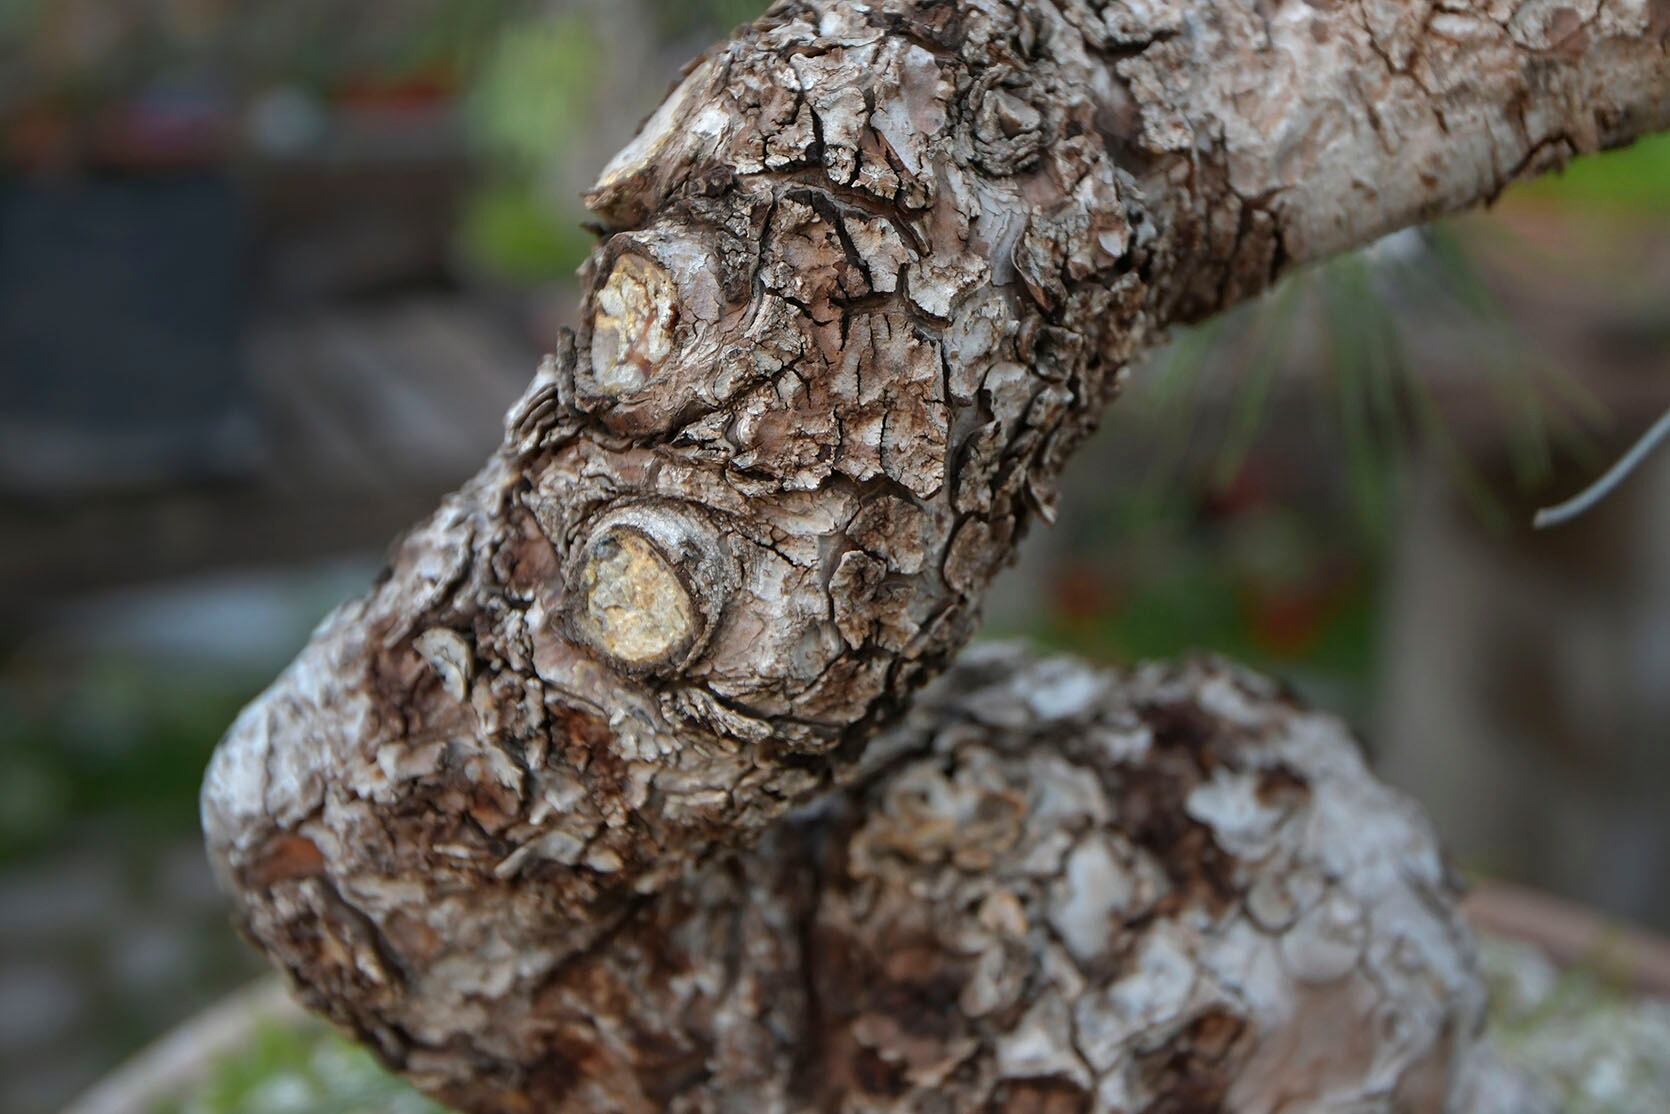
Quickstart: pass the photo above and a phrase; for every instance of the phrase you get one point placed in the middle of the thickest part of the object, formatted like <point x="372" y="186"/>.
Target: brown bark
<point x="1051" y="888"/>
<point x="869" y="276"/>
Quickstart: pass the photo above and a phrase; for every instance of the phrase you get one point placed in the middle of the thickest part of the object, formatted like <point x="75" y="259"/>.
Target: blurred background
<point x="270" y="272"/>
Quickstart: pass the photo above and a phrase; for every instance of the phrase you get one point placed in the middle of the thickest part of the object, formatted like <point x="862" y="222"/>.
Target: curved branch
<point x="1277" y="136"/>
<point x="873" y="272"/>
<point x="1051" y="888"/>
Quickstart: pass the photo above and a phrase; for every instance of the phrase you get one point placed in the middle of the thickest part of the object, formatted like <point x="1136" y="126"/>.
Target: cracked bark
<point x="868" y="277"/>
<point x="1050" y="888"/>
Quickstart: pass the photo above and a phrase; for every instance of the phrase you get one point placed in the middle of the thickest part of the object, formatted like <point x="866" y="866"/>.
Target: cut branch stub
<point x="636" y="610"/>
<point x="650" y="585"/>
<point x="632" y="329"/>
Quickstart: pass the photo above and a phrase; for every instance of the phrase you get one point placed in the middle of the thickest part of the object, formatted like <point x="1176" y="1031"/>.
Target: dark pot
<point x="120" y="306"/>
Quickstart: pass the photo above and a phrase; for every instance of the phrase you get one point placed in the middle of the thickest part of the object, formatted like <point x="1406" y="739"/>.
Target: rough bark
<point x="1049" y="888"/>
<point x="867" y="278"/>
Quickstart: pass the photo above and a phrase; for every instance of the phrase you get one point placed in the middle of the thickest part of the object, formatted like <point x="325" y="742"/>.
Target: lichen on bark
<point x="867" y="278"/>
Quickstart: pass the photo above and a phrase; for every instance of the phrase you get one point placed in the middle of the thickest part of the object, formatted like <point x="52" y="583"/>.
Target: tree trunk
<point x="1050" y="888"/>
<point x="868" y="277"/>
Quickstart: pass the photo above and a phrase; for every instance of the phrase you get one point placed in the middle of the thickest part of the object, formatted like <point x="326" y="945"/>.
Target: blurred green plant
<point x="1582" y="1031"/>
<point x="1631" y="179"/>
<point x="112" y="743"/>
<point x="16" y="17"/>
<point x="535" y="92"/>
<point x="301" y="1070"/>
<point x="83" y="54"/>
<point x="1377" y="403"/>
<point x="1291" y="589"/>
<point x="532" y="101"/>
<point x="509" y="229"/>
<point x="687" y="18"/>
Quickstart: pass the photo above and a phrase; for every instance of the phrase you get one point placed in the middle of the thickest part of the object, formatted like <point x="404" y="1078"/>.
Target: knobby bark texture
<point x="1050" y="889"/>
<point x="865" y="280"/>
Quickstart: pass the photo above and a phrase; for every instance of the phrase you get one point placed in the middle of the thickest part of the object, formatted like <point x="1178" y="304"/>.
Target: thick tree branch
<point x="1051" y="888"/>
<point x="1276" y="135"/>
<point x="872" y="273"/>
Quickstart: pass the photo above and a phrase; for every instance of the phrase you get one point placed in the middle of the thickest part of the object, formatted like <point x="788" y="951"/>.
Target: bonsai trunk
<point x="866" y="279"/>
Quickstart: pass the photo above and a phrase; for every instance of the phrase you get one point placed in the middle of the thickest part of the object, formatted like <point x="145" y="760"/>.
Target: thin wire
<point x="1607" y="484"/>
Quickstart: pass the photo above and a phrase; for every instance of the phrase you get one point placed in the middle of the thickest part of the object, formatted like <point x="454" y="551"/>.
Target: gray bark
<point x="868" y="277"/>
<point x="1050" y="888"/>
